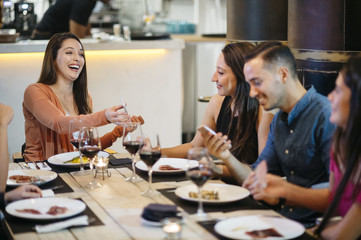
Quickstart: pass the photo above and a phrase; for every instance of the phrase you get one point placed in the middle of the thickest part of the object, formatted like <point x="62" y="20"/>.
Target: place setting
<point x="48" y="214"/>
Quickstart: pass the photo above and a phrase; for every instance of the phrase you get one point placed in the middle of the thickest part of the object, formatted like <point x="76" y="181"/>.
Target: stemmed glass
<point x="74" y="130"/>
<point x="132" y="142"/>
<point x="148" y="18"/>
<point x="150" y="154"/>
<point x="89" y="145"/>
<point x="199" y="175"/>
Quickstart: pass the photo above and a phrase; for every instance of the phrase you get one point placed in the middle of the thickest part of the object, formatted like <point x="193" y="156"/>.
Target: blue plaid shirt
<point x="298" y="147"/>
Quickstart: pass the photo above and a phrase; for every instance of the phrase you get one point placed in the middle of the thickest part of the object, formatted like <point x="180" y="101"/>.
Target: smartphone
<point x="205" y="130"/>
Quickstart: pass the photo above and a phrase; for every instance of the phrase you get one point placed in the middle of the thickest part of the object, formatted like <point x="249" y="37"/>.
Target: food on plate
<point x="206" y="194"/>
<point x="77" y="160"/>
<point x="168" y="167"/>
<point x="56" y="210"/>
<point x="23" y="179"/>
<point x="264" y="233"/>
<point x="28" y="210"/>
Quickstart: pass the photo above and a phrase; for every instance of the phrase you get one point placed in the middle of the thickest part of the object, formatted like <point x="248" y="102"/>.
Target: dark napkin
<point x="156" y="212"/>
<point x="120" y="161"/>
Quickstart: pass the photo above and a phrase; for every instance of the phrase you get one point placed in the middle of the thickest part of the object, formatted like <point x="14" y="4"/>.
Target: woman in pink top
<point x="343" y="197"/>
<point x="60" y="95"/>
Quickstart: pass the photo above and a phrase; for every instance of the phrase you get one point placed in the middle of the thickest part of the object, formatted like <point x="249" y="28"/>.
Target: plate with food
<point x="168" y="165"/>
<point x="259" y="227"/>
<point x="37" y="177"/>
<point x="213" y="193"/>
<point x="45" y="208"/>
<point x="72" y="159"/>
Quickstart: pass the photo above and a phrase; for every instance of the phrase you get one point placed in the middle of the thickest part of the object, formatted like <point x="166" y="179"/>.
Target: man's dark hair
<point x="273" y="53"/>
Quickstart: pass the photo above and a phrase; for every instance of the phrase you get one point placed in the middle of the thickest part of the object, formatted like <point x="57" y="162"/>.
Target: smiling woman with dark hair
<point x="232" y="111"/>
<point x="60" y="95"/>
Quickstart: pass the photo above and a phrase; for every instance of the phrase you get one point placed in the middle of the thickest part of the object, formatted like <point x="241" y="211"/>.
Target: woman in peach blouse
<point x="60" y="95"/>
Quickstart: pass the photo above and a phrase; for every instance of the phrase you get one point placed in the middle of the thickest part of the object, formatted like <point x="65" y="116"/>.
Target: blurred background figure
<point x="66" y="16"/>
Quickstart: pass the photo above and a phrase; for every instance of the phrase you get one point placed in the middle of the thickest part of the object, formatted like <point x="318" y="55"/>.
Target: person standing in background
<point x="66" y="16"/>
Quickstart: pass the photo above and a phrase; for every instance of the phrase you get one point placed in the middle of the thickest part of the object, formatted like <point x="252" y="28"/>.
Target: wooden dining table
<point x="116" y="207"/>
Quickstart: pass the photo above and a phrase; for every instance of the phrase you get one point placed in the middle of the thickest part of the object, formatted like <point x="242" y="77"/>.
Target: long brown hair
<point x="347" y="142"/>
<point x="245" y="144"/>
<point x="48" y="74"/>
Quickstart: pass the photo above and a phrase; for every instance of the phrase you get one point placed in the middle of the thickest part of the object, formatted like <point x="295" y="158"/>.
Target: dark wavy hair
<point x="245" y="143"/>
<point x="273" y="53"/>
<point x="48" y="74"/>
<point x="347" y="142"/>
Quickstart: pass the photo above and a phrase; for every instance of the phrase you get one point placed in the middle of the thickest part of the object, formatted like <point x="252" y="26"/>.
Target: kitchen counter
<point x="26" y="46"/>
<point x="146" y="74"/>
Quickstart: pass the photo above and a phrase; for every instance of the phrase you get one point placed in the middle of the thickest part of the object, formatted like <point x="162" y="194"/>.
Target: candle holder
<point x="172" y="228"/>
<point x="101" y="166"/>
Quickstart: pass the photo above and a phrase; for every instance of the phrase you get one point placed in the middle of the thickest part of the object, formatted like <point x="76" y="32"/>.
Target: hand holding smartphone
<point x="205" y="130"/>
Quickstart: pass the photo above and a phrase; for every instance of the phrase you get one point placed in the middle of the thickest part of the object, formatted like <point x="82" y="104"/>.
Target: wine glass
<point x="132" y="142"/>
<point x="199" y="175"/>
<point x="150" y="154"/>
<point x="74" y="130"/>
<point x="89" y="145"/>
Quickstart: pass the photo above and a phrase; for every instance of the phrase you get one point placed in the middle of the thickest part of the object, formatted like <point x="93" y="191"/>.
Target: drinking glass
<point x="150" y="154"/>
<point x="148" y="18"/>
<point x="132" y="142"/>
<point x="199" y="175"/>
<point x="74" y="130"/>
<point x="89" y="145"/>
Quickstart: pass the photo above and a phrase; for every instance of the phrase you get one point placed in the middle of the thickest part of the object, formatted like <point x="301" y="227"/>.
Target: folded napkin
<point x="47" y="193"/>
<point x="156" y="212"/>
<point x="52" y="227"/>
<point x="120" y="161"/>
<point x="41" y="166"/>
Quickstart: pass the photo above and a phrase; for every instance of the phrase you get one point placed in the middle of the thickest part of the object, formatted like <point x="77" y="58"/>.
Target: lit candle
<point x="172" y="228"/>
<point x="102" y="164"/>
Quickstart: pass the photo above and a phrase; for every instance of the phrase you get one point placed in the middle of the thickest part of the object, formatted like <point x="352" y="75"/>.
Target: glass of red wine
<point x="132" y="142"/>
<point x="199" y="175"/>
<point x="150" y="154"/>
<point x="74" y="131"/>
<point x="89" y="146"/>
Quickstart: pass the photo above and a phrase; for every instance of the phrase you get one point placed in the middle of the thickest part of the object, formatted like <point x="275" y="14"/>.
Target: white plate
<point x="59" y="159"/>
<point x="45" y="175"/>
<point x="174" y="162"/>
<point x="43" y="205"/>
<point x="226" y="192"/>
<point x="237" y="227"/>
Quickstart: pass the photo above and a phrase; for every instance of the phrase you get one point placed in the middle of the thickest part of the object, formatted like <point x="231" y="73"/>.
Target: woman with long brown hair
<point x="232" y="111"/>
<point x="60" y="95"/>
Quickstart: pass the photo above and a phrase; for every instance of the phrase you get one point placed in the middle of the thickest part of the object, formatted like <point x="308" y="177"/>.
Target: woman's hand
<point x="217" y="145"/>
<point x="24" y="191"/>
<point x="116" y="114"/>
<point x="118" y="130"/>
